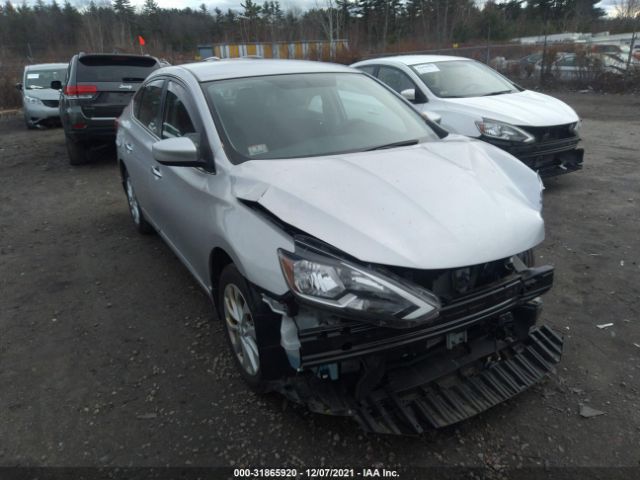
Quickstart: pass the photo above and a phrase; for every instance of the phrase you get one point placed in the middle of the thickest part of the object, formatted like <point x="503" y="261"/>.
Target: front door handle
<point x="128" y="147"/>
<point x="156" y="172"/>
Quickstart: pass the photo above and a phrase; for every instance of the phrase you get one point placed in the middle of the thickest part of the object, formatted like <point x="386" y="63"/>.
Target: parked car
<point x="527" y="64"/>
<point x="96" y="90"/>
<point x="362" y="260"/>
<point x="585" y="67"/>
<point x="477" y="101"/>
<point x="39" y="100"/>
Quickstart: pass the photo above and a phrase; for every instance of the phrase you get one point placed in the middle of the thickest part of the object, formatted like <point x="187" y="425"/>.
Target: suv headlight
<point x="334" y="283"/>
<point x="32" y="100"/>
<point x="503" y="131"/>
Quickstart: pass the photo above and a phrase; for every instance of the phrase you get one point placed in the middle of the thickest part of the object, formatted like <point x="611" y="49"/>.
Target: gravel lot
<point x="109" y="354"/>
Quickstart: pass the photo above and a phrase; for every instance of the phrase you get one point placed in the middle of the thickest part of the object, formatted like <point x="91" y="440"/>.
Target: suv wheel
<point x="137" y="216"/>
<point x="78" y="152"/>
<point x="237" y="309"/>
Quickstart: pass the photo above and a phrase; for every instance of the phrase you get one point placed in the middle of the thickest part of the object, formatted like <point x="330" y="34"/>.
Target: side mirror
<point x="19" y="86"/>
<point x="434" y="117"/>
<point x="409" y="94"/>
<point x="56" y="85"/>
<point x="177" y="152"/>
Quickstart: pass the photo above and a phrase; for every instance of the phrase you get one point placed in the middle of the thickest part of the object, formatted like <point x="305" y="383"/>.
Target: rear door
<point x="109" y="81"/>
<point x="138" y="136"/>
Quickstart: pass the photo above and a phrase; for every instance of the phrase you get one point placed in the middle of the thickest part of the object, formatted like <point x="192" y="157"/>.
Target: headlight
<point x="337" y="284"/>
<point x="33" y="100"/>
<point x="503" y="131"/>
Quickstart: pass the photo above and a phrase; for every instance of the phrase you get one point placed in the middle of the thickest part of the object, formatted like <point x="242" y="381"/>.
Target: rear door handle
<point x="128" y="147"/>
<point x="156" y="172"/>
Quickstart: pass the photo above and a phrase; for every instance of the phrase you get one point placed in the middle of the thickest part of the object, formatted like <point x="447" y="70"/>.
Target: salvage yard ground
<point x="109" y="354"/>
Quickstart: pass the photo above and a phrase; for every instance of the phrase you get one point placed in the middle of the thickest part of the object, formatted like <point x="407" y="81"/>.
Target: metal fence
<point x="556" y="65"/>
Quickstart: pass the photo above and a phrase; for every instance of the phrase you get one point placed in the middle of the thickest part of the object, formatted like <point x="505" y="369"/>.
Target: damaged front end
<point x="402" y="350"/>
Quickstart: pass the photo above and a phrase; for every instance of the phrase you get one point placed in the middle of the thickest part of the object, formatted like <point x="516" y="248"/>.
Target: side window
<point x="146" y="106"/>
<point x="568" y="61"/>
<point x="396" y="79"/>
<point x="368" y="69"/>
<point x="176" y="121"/>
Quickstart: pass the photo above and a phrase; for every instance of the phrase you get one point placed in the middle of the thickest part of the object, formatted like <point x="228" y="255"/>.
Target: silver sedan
<point x="356" y="252"/>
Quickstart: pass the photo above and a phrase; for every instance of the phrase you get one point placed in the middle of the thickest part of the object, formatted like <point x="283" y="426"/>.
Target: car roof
<point x="247" y="67"/>
<point x="46" y="66"/>
<point x="413" y="59"/>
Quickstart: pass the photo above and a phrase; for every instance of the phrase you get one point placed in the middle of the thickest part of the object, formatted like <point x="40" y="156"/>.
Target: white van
<point x="475" y="100"/>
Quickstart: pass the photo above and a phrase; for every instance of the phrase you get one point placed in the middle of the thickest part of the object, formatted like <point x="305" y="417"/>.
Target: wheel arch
<point x="218" y="260"/>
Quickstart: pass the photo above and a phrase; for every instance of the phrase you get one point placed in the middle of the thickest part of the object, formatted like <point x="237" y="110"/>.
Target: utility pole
<point x="544" y="51"/>
<point x="488" y="43"/>
<point x="631" y="46"/>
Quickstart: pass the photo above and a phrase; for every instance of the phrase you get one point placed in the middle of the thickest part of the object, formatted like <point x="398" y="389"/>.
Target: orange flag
<point x="141" y="40"/>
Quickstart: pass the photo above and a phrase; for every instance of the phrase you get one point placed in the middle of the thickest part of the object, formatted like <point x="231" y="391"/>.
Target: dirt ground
<point x="109" y="354"/>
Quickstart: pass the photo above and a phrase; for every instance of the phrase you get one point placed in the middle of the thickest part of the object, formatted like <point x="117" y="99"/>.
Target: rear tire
<point x="78" y="152"/>
<point x="141" y="224"/>
<point x="237" y="307"/>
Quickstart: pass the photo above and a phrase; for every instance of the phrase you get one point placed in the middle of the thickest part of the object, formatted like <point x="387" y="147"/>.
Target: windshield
<point x="303" y="115"/>
<point x="38" y="79"/>
<point x="463" y="78"/>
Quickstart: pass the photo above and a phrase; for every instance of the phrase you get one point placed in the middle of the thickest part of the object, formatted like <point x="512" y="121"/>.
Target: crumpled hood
<point x="43" y="93"/>
<point x="525" y="108"/>
<point x="442" y="204"/>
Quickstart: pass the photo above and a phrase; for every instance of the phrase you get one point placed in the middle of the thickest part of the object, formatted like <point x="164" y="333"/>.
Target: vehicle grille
<point x="556" y="132"/>
<point x="549" y="141"/>
<point x="51" y="103"/>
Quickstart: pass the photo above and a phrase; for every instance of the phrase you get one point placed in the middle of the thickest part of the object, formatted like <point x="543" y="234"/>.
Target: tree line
<point x="46" y="29"/>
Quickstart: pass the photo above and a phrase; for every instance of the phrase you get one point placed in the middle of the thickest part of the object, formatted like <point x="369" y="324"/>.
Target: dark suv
<point x="97" y="88"/>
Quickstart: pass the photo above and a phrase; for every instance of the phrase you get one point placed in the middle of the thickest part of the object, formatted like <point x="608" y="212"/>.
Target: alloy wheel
<point x="241" y="328"/>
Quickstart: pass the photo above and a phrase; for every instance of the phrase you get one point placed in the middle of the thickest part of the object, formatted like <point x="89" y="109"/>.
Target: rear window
<point x="115" y="68"/>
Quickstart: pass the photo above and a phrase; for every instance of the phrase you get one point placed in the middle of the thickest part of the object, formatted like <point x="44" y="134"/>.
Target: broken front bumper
<point x="482" y="350"/>
<point x="438" y="392"/>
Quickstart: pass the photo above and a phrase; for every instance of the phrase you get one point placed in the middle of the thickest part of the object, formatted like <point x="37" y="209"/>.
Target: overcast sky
<point x="233" y="4"/>
<point x="286" y="4"/>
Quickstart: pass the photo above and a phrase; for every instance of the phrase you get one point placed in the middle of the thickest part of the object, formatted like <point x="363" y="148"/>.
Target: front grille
<point x="449" y="284"/>
<point x="549" y="141"/>
<point x="51" y="103"/>
<point x="556" y="132"/>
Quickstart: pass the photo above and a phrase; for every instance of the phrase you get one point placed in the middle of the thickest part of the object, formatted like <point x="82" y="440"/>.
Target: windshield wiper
<point x="499" y="92"/>
<point x="404" y="143"/>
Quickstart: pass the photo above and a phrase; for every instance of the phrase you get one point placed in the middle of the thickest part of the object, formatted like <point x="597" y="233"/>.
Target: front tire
<point x="28" y="124"/>
<point x="141" y="224"/>
<point x="237" y="307"/>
